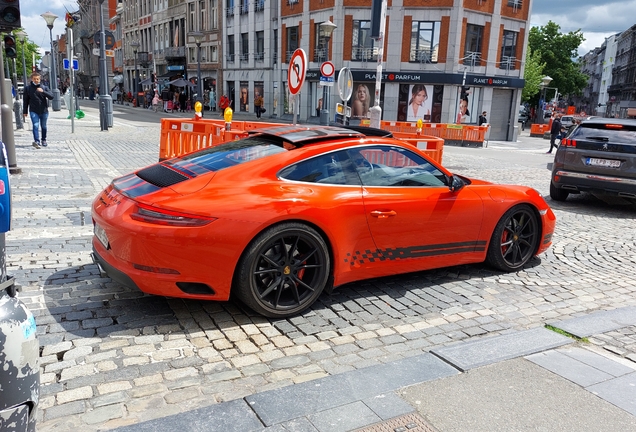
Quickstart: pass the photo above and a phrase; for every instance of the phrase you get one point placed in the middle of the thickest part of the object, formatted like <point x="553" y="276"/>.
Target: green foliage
<point x="533" y="74"/>
<point x="29" y="49"/>
<point x="557" y="51"/>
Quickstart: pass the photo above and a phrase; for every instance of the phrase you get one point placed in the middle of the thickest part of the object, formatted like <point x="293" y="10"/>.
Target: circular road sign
<point x="345" y="83"/>
<point x="327" y="69"/>
<point x="297" y="71"/>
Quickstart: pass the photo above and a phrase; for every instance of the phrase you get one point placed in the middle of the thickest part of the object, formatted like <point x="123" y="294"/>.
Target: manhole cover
<point x="405" y="423"/>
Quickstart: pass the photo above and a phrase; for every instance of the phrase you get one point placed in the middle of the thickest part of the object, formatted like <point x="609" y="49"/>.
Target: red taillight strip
<point x="159" y="216"/>
<point x="568" y="142"/>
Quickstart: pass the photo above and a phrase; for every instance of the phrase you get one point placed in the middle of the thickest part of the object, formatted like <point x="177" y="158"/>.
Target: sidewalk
<point x="527" y="378"/>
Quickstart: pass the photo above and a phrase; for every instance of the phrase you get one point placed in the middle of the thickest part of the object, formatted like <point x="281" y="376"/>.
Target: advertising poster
<point x="362" y="99"/>
<point x="244" y="94"/>
<point x="420" y="101"/>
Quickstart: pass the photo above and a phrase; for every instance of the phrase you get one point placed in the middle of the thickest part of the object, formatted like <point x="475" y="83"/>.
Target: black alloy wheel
<point x="283" y="271"/>
<point x="515" y="239"/>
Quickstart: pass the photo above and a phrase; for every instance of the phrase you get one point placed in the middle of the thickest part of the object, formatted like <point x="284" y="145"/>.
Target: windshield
<point x="227" y="155"/>
<point x="615" y="133"/>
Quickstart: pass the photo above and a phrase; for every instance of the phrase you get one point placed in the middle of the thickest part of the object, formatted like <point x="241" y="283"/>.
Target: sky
<point x="597" y="19"/>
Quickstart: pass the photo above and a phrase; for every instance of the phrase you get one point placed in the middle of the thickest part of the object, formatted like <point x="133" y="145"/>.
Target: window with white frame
<point x="214" y="14"/>
<point x="473" y="44"/>
<point x="192" y="14"/>
<point x="214" y="54"/>
<point x="203" y="20"/>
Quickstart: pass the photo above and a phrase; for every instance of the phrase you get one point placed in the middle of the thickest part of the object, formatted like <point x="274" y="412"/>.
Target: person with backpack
<point x="37" y="105"/>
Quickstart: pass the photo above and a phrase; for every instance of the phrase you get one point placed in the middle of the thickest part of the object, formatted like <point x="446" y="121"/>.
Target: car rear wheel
<point x="558" y="194"/>
<point x="283" y="271"/>
<point x="515" y="239"/>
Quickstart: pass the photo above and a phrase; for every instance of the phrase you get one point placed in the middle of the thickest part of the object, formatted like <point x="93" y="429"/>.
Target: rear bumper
<point x="108" y="270"/>
<point x="587" y="182"/>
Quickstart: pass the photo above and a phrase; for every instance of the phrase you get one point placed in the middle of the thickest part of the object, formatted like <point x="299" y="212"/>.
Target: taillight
<point x="154" y="215"/>
<point x="568" y="142"/>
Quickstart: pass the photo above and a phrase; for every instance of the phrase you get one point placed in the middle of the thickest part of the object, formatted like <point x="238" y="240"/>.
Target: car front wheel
<point x="514" y="239"/>
<point x="283" y="271"/>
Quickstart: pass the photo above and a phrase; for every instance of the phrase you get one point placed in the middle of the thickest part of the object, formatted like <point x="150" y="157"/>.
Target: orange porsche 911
<point x="277" y="217"/>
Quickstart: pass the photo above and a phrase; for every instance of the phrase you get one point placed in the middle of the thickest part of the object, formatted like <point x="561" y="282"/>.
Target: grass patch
<point x="564" y="333"/>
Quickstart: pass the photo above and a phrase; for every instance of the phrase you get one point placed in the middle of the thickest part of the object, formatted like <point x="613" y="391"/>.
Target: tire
<point x="283" y="271"/>
<point x="558" y="194"/>
<point x="514" y="240"/>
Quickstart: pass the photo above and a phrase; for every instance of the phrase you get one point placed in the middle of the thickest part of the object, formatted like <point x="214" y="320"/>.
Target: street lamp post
<point x="545" y="81"/>
<point x="135" y="46"/>
<point x="198" y="37"/>
<point x="105" y="101"/>
<point x="326" y="29"/>
<point x="22" y="36"/>
<point x="56" y="104"/>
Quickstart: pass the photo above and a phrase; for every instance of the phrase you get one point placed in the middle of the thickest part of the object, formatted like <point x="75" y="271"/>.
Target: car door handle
<point x="383" y="214"/>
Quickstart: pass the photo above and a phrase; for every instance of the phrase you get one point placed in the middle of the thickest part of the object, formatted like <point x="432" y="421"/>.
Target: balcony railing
<point x="260" y="5"/>
<point x="244" y="8"/>
<point x="174" y="52"/>
<point x="230" y="58"/>
<point x="320" y="55"/>
<point x="423" y="56"/>
<point x="472" y="58"/>
<point x="245" y="57"/>
<point x="229" y="12"/>
<point x="364" y="54"/>
<point x="259" y="56"/>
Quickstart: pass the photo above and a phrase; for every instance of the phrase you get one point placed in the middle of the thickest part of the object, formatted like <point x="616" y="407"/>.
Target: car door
<point x="415" y="220"/>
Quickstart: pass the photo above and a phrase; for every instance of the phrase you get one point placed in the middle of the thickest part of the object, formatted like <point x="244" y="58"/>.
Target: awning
<point x="168" y="75"/>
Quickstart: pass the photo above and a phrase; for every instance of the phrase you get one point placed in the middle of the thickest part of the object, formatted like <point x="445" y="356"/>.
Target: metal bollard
<point x="17" y="110"/>
<point x="102" y="116"/>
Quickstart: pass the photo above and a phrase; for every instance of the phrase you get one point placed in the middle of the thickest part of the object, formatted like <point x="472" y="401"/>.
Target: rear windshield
<point x="615" y="133"/>
<point x="227" y="155"/>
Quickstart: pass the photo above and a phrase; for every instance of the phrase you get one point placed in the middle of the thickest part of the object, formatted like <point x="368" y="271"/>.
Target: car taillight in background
<point x="566" y="142"/>
<point x="154" y="215"/>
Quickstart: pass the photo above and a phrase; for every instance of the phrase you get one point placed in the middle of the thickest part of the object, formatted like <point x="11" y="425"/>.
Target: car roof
<point x="300" y="135"/>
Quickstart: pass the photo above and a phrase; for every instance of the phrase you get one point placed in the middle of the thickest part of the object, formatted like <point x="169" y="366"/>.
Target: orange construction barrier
<point x="538" y="130"/>
<point x="181" y="136"/>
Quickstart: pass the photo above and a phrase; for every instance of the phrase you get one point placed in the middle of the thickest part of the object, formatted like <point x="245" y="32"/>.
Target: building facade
<point x="465" y="54"/>
<point x="622" y="92"/>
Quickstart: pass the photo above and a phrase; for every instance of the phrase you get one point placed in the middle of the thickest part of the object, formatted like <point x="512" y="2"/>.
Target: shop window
<point x="362" y="43"/>
<point x="424" y="41"/>
<point x="507" y="60"/>
<point x="473" y="44"/>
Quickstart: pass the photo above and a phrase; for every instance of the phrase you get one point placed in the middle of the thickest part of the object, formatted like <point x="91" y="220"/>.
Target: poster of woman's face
<point x="361" y="100"/>
<point x="244" y="101"/>
<point x="420" y="102"/>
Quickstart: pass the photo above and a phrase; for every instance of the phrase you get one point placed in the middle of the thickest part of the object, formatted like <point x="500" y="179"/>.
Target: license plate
<point x="610" y="163"/>
<point x="101" y="236"/>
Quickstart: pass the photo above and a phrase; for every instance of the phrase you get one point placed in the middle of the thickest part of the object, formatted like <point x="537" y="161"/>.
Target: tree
<point x="533" y="74"/>
<point x="30" y="48"/>
<point x="557" y="51"/>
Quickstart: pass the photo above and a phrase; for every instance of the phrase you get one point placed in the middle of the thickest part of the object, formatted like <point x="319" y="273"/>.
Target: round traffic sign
<point x="297" y="71"/>
<point x="327" y="69"/>
<point x="345" y="83"/>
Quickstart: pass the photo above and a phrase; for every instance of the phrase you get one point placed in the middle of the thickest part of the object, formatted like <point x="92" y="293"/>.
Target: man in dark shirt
<point x="555" y="130"/>
<point x="37" y="105"/>
<point x="482" y="118"/>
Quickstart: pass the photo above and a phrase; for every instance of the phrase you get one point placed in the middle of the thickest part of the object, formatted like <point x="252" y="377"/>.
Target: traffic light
<point x="9" y="14"/>
<point x="10" y="48"/>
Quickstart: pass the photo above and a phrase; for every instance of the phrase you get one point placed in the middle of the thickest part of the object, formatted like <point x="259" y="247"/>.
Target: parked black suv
<point x="597" y="156"/>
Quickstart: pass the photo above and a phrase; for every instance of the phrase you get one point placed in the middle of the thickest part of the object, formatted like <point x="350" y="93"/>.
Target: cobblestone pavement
<point x="111" y="356"/>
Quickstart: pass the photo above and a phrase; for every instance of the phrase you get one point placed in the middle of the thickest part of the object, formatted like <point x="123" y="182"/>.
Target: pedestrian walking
<point x="36" y="104"/>
<point x="224" y="102"/>
<point x="258" y="103"/>
<point x="555" y="131"/>
<point x="482" y="118"/>
<point x="183" y="99"/>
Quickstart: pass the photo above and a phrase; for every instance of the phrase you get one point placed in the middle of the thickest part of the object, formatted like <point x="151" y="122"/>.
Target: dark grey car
<point x="598" y="156"/>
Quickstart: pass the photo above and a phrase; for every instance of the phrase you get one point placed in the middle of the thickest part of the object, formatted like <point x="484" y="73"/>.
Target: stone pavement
<point x="112" y="357"/>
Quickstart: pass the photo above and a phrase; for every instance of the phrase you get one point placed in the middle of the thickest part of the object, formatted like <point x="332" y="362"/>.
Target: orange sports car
<point x="277" y="217"/>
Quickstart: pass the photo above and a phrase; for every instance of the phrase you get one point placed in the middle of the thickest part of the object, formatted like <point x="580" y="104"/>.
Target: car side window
<point x="394" y="166"/>
<point x="324" y="169"/>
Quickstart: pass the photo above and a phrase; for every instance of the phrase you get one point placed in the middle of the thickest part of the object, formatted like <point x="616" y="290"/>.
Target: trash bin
<point x="19" y="347"/>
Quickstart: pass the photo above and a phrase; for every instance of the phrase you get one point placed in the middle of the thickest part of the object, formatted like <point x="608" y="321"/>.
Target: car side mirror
<point x="455" y="183"/>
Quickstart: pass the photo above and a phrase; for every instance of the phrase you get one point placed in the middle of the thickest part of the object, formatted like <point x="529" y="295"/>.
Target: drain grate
<point x="406" y="423"/>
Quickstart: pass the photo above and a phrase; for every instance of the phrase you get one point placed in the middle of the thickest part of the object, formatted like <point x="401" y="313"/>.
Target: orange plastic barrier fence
<point x="449" y="132"/>
<point x="538" y="130"/>
<point x="181" y="136"/>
